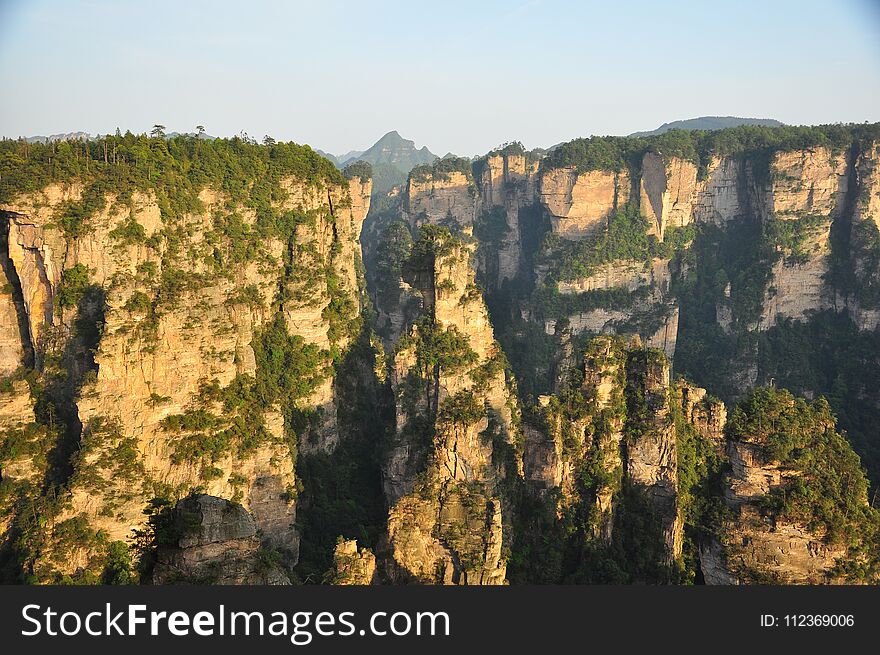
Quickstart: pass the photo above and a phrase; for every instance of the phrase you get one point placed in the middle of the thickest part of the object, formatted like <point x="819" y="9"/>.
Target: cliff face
<point x="508" y="191"/>
<point x="439" y="197"/>
<point x="154" y="319"/>
<point x="668" y="190"/>
<point x="578" y="202"/>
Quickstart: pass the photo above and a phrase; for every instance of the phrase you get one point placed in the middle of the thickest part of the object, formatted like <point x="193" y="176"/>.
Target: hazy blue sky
<point x="455" y="76"/>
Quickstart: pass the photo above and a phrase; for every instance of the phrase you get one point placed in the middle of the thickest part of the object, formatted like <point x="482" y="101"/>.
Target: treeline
<point x="441" y="169"/>
<point x="177" y="167"/>
<point x="614" y="153"/>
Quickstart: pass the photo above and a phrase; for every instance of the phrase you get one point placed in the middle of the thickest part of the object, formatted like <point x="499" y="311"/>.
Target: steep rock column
<point x="507" y="184"/>
<point x="862" y="236"/>
<point x="651" y="463"/>
<point x="456" y="439"/>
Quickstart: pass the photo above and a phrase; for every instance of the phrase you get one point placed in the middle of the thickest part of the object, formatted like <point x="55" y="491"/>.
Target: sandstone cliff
<point x="149" y="318"/>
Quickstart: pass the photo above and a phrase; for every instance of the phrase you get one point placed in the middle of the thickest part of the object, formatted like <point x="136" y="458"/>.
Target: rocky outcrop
<point x="812" y="180"/>
<point x="438" y="198"/>
<point x="708" y="415"/>
<point x="352" y="566"/>
<point x="507" y="189"/>
<point x="15" y="344"/>
<point x="651" y="461"/>
<point x="215" y="542"/>
<point x="617" y="418"/>
<point x="762" y="540"/>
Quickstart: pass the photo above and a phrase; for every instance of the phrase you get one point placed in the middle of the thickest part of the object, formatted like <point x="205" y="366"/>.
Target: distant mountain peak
<point x="710" y="123"/>
<point x="392" y="158"/>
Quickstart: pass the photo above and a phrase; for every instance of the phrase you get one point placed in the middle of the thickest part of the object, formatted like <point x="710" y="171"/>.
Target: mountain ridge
<point x="709" y="123"/>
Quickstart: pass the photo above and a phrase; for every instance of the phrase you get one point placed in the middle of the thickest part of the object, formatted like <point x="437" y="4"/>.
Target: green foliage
<point x="288" y="368"/>
<point x="829" y="492"/>
<point x="624" y="237"/>
<point x="360" y="168"/>
<point x="73" y="216"/>
<point x="174" y="170"/>
<point x="118" y="569"/>
<point x="138" y="303"/>
<point x="160" y="530"/>
<point x="594" y="153"/>
<point x="441" y="169"/>
<point x="789" y="235"/>
<point x="462" y="409"/>
<point x="74" y="282"/>
<point x="129" y="233"/>
<point x="677" y="238"/>
<point x="444" y="351"/>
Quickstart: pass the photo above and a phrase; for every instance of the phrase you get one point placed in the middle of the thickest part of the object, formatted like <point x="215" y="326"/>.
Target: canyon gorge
<point x="623" y="360"/>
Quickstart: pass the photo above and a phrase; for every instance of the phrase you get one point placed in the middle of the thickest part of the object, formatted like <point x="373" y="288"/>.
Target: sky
<point x="456" y="76"/>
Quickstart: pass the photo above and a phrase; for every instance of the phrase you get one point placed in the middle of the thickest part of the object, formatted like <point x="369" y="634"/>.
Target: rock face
<point x="651" y="460"/>
<point x="508" y="191"/>
<point x="217" y="544"/>
<point x="652" y="313"/>
<point x="174" y="343"/>
<point x="864" y="194"/>
<point x="439" y="197"/>
<point x="454" y="421"/>
<point x="668" y="190"/>
<point x="14" y="339"/>
<point x="708" y="415"/>
<point x="578" y="202"/>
